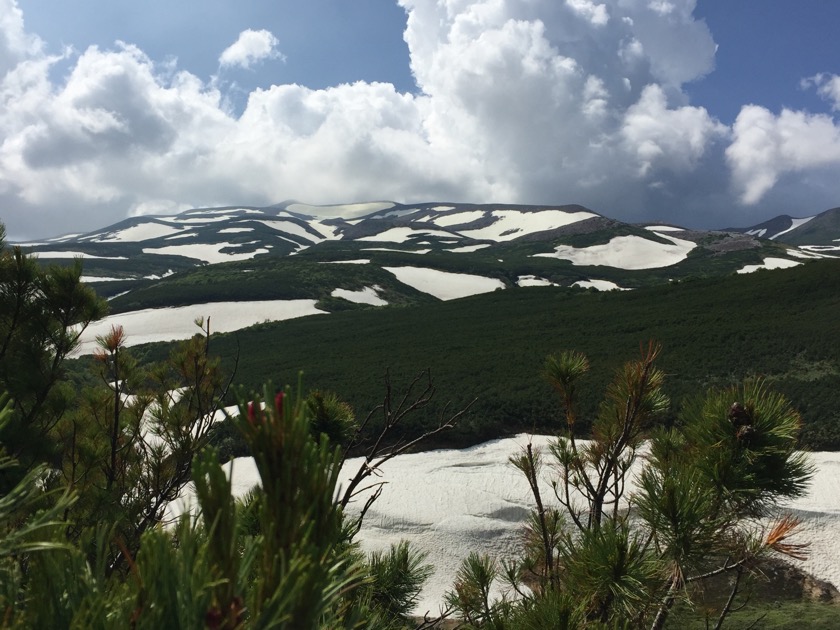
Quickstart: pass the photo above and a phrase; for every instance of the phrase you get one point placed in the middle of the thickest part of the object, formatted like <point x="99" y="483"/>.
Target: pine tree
<point x="603" y="552"/>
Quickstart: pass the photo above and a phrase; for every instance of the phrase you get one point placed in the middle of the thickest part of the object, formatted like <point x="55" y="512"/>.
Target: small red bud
<point x="252" y="414"/>
<point x="278" y="403"/>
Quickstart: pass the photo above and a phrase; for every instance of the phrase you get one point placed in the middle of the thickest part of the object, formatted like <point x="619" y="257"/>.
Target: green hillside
<point x="782" y="325"/>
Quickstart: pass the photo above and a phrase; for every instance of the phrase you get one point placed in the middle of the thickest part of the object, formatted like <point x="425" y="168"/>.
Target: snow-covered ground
<point x="533" y="281"/>
<point x="627" y="252"/>
<point x="794" y="223"/>
<point x="449" y="503"/>
<point x="599" y="285"/>
<point x="208" y="252"/>
<point x="511" y="224"/>
<point x="444" y="285"/>
<point x="769" y="263"/>
<point x="68" y="254"/>
<point x="401" y="235"/>
<point x="170" y="324"/>
<point x="366" y="295"/>
<point x="141" y="232"/>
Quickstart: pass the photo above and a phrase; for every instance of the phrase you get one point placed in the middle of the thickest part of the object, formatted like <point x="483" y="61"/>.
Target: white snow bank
<point x="235" y="230"/>
<point x="770" y="263"/>
<point x="367" y="295"/>
<point x="74" y="255"/>
<point x="600" y="285"/>
<point x="626" y="252"/>
<point x="402" y="234"/>
<point x="449" y="503"/>
<point x="345" y="210"/>
<point x="201" y="219"/>
<point x="459" y="218"/>
<point x="399" y="251"/>
<point x="664" y="228"/>
<point x="467" y="249"/>
<point x="794" y="223"/>
<point x="140" y="232"/>
<point x="533" y="281"/>
<point x="210" y="252"/>
<point x="443" y="284"/>
<point x="170" y="324"/>
<point x="511" y="224"/>
<point x="102" y="279"/>
<point x="357" y="261"/>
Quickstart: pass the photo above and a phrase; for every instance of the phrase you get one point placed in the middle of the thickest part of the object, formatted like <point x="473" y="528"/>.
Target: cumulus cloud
<point x="250" y="48"/>
<point x="766" y="147"/>
<point x="529" y="101"/>
<point x="827" y="85"/>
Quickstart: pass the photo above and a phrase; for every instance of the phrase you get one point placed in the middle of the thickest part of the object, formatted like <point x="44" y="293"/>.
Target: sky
<point x="700" y="113"/>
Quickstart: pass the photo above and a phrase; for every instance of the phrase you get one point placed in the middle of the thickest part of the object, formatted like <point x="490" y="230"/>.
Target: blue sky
<point x="698" y="112"/>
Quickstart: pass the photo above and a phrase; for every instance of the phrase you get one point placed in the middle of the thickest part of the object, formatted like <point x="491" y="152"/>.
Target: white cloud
<point x="673" y="139"/>
<point x="250" y="48"/>
<point x="15" y="43"/>
<point x="597" y="14"/>
<point x="828" y="86"/>
<point x="765" y="147"/>
<point x="531" y="101"/>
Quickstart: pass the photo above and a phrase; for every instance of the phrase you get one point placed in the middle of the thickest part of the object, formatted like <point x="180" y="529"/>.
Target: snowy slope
<point x="486" y="246"/>
<point x="449" y="503"/>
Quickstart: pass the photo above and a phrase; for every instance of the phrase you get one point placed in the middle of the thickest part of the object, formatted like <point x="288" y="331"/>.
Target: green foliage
<point x="395" y="579"/>
<point x="42" y="313"/>
<point x="715" y="333"/>
<point x="623" y="558"/>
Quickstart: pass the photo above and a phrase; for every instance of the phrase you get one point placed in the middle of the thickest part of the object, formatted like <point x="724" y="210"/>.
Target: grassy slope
<point x="780" y="324"/>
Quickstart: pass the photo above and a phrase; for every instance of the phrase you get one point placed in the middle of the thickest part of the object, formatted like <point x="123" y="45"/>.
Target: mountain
<point x="512" y="244"/>
<point x="292" y="260"/>
<point x="818" y="233"/>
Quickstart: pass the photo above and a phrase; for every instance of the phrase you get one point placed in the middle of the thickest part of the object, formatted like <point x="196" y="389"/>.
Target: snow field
<point x="626" y="252"/>
<point x="209" y="253"/>
<point x="511" y="224"/>
<point x="533" y="281"/>
<point x="444" y="285"/>
<point x="141" y="232"/>
<point x="367" y="295"/>
<point x="75" y="255"/>
<point x="402" y="234"/>
<point x="769" y="263"/>
<point x="170" y="324"/>
<point x="449" y="503"/>
<point x="600" y="285"/>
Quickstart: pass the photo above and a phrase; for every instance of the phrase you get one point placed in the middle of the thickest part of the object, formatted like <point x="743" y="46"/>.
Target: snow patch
<point x="141" y="232"/>
<point x="443" y="284"/>
<point x="458" y="218"/>
<point x="207" y="252"/>
<point x="794" y="223"/>
<point x="599" y="285"/>
<point x="402" y="234"/>
<point x="358" y="261"/>
<point x="344" y="210"/>
<point x="770" y="263"/>
<point x="102" y="279"/>
<point x="235" y="230"/>
<point x="367" y="295"/>
<point x="74" y="255"/>
<point x="626" y="252"/>
<point x="466" y="249"/>
<point x="400" y="251"/>
<point x="171" y="324"/>
<point x="534" y="281"/>
<point x="212" y="219"/>
<point x="511" y="224"/>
